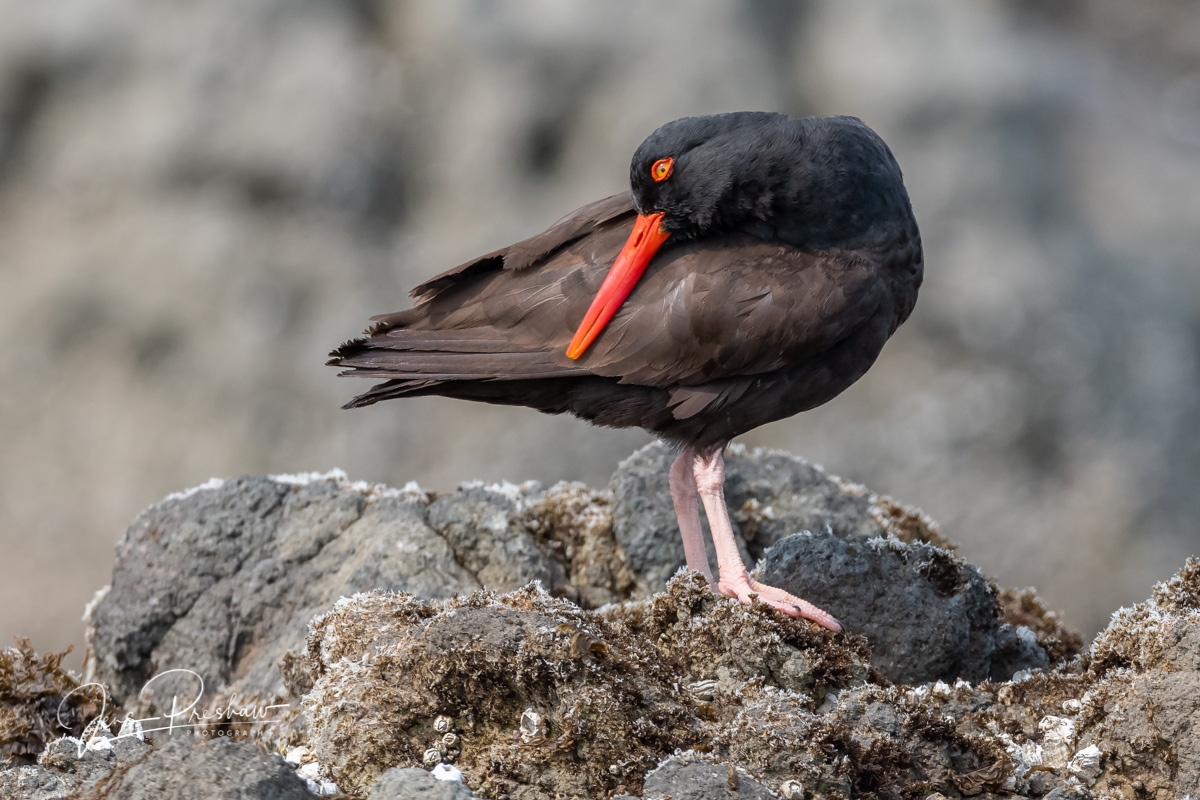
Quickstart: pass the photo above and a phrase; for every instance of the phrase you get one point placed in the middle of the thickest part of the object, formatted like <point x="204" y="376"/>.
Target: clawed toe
<point x="780" y="600"/>
<point x="803" y="607"/>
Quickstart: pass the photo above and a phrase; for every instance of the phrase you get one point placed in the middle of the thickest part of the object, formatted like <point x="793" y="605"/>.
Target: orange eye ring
<point x="661" y="169"/>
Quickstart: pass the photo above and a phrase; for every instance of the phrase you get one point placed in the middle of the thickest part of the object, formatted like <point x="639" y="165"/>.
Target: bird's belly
<point x="701" y="415"/>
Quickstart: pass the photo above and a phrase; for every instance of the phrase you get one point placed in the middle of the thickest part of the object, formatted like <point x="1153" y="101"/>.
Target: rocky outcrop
<point x="510" y="641"/>
<point x="548" y="700"/>
<point x="224" y="580"/>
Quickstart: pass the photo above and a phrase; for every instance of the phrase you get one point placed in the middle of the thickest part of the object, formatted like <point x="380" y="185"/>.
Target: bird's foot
<point x="745" y="588"/>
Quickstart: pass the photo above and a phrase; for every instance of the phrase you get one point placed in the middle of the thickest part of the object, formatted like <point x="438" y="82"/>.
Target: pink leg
<point x="735" y="581"/>
<point x="683" y="492"/>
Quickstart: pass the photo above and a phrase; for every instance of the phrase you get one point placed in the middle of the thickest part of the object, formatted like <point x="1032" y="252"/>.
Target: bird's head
<point x="811" y="183"/>
<point x="690" y="178"/>
<point x="703" y="175"/>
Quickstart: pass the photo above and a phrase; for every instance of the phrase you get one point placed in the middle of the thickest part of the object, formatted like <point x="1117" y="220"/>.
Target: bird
<point x="754" y="270"/>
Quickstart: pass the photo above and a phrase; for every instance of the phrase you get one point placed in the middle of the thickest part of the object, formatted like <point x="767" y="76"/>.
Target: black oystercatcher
<point x="755" y="271"/>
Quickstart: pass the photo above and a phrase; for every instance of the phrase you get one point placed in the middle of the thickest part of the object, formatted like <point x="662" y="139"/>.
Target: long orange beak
<point x="631" y="262"/>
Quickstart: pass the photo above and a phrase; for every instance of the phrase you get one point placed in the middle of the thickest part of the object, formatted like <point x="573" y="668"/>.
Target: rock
<point x="218" y="769"/>
<point x="69" y="767"/>
<point x="903" y="591"/>
<point x="770" y="495"/>
<point x="485" y="530"/>
<point x="180" y="767"/>
<point x="528" y="694"/>
<point x="694" y="778"/>
<point x="1148" y="665"/>
<point x="224" y="580"/>
<point x="576" y="525"/>
<point x="535" y="680"/>
<point x="773" y="494"/>
<point x="416" y="784"/>
<point x="644" y="520"/>
<point x="927" y="614"/>
<point x="756" y="706"/>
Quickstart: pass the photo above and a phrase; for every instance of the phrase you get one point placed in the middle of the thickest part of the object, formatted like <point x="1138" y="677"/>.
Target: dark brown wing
<point x="733" y="307"/>
<point x="703" y="312"/>
<point x="529" y="252"/>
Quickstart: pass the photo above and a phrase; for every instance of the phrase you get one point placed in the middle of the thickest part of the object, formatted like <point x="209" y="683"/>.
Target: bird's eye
<point x="662" y="169"/>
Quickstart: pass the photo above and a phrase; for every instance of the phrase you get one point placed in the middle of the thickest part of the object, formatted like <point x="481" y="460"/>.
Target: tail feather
<point x="418" y="361"/>
<point x="389" y="390"/>
<point x="462" y="366"/>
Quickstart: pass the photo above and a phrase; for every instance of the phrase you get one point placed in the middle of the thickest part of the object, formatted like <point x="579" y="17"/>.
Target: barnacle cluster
<point x="588" y="700"/>
<point x="586" y="703"/>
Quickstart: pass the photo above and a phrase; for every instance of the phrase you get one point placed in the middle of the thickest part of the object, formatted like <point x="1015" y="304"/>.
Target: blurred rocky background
<point x="197" y="201"/>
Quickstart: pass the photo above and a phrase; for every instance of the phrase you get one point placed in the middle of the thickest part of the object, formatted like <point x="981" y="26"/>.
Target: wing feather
<point x="703" y="321"/>
<point x="531" y="251"/>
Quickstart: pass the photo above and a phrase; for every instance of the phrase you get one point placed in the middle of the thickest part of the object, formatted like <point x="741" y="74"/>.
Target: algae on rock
<point x="612" y="690"/>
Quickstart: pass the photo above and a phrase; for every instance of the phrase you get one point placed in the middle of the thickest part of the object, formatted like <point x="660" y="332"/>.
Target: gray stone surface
<point x="693" y="778"/>
<point x="67" y="768"/>
<point x="224" y="581"/>
<point x="415" y="783"/>
<point x="179" y="767"/>
<point x="643" y="518"/>
<point x="772" y="494"/>
<point x="217" y="769"/>
<point x="485" y="529"/>
<point x="927" y="613"/>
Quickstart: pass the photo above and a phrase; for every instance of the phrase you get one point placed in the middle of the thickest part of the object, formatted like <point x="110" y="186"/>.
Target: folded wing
<point x="702" y="317"/>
